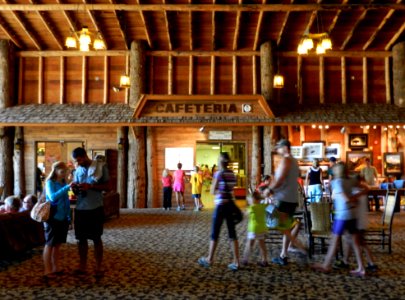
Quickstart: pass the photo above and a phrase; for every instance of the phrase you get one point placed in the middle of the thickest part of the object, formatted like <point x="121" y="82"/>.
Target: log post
<point x="152" y="200"/>
<point x="256" y="157"/>
<point x="398" y="63"/>
<point x="7" y="60"/>
<point x="136" y="195"/>
<point x="18" y="161"/>
<point x="122" y="135"/>
<point x="266" y="79"/>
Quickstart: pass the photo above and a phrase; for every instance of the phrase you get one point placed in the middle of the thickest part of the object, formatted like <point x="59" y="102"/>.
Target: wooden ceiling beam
<point x="48" y="26"/>
<point x="213" y="28"/>
<point x="23" y="25"/>
<point x="350" y="35"/>
<point x="167" y="25"/>
<point x="258" y="28"/>
<point x="280" y="35"/>
<point x="380" y="26"/>
<point x="69" y="20"/>
<point x="190" y="28"/>
<point x="120" y="17"/>
<point x="237" y="28"/>
<point x="7" y="31"/>
<point x="201" y="7"/>
<point x="145" y="25"/>
<point x="395" y="37"/>
<point x="68" y="53"/>
<point x="96" y="24"/>
<point x="336" y="18"/>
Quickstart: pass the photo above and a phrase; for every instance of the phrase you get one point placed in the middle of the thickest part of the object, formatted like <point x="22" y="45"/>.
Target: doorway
<point x="207" y="155"/>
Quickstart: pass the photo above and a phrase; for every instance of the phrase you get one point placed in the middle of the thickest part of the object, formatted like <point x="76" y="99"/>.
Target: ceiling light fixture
<point x="278" y="80"/>
<point x="323" y="43"/>
<point x="85" y="40"/>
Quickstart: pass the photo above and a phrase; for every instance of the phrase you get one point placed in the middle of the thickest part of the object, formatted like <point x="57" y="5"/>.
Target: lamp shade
<point x="278" y="81"/>
<point x="70" y="42"/>
<point x="124" y="81"/>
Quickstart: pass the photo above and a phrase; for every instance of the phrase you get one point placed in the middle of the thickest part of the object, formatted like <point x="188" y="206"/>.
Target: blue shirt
<point x="93" y="198"/>
<point x="343" y="210"/>
<point x="57" y="194"/>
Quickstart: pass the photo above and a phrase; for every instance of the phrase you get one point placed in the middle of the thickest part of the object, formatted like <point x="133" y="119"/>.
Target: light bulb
<point x="84" y="47"/>
<point x="301" y="49"/>
<point x="326" y="43"/>
<point x="84" y="37"/>
<point x="70" y="42"/>
<point x="98" y="44"/>
<point x="320" y="49"/>
<point x="308" y="43"/>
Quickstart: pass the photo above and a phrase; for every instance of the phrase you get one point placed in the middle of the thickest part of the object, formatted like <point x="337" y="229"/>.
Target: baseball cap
<point x="282" y="143"/>
<point x="332" y="159"/>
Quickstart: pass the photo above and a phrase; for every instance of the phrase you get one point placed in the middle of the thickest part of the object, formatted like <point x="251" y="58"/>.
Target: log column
<point x="136" y="196"/>
<point x="122" y="175"/>
<point x="256" y="157"/>
<point x="18" y="161"/>
<point x="398" y="63"/>
<point x="267" y="75"/>
<point x="152" y="200"/>
<point x="7" y="60"/>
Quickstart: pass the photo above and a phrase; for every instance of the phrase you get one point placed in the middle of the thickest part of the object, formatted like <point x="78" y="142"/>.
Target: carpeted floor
<point x="152" y="254"/>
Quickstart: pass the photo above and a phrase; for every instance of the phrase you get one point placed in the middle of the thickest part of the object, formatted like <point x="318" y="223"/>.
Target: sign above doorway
<point x="220" y="135"/>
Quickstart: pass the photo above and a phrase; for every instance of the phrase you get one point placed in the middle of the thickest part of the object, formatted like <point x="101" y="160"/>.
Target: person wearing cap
<point x="284" y="187"/>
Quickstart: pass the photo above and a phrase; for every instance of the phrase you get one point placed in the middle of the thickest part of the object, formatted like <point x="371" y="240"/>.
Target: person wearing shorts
<point x="88" y="184"/>
<point x="344" y="220"/>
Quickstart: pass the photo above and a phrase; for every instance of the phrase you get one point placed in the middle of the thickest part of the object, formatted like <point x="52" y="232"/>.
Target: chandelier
<point x="323" y="43"/>
<point x="85" y="40"/>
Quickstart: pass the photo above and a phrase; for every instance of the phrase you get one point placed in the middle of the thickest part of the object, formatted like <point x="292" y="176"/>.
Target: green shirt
<point x="257" y="218"/>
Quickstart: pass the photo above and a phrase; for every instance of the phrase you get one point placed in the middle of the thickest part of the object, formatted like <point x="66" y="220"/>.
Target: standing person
<point x="222" y="187"/>
<point x="178" y="187"/>
<point x="90" y="179"/>
<point x="207" y="178"/>
<point x="57" y="226"/>
<point x="314" y="182"/>
<point x="370" y="175"/>
<point x="38" y="181"/>
<point x="167" y="181"/>
<point x="285" y="192"/>
<point x="256" y="228"/>
<point x="332" y="162"/>
<point x="196" y="188"/>
<point x="344" y="219"/>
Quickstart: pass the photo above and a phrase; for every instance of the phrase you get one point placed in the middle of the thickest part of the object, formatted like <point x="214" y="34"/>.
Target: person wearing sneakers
<point x="345" y="220"/>
<point x="222" y="187"/>
<point x="257" y="228"/>
<point x="284" y="188"/>
<point x="196" y="181"/>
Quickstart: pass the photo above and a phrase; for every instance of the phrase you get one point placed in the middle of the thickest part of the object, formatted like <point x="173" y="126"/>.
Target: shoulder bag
<point x="41" y="211"/>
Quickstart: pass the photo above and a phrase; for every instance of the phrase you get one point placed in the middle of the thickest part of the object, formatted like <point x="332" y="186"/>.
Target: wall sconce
<point x="121" y="144"/>
<point x="202" y="129"/>
<point x="18" y="145"/>
<point x="116" y="89"/>
<point x="278" y="81"/>
<point x="125" y="82"/>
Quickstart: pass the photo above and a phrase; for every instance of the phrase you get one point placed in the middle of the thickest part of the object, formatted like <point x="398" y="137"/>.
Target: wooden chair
<point x="380" y="234"/>
<point x="317" y="224"/>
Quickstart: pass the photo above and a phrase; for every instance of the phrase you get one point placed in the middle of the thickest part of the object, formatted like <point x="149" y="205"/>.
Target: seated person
<point x="12" y="204"/>
<point x="28" y="202"/>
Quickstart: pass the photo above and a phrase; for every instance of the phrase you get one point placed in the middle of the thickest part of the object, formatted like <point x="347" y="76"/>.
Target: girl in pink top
<point x="167" y="181"/>
<point x="178" y="186"/>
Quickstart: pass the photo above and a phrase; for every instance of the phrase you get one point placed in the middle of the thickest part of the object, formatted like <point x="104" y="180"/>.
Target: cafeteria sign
<point x="220" y="135"/>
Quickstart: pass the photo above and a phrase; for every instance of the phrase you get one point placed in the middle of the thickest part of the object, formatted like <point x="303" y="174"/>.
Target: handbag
<point x="41" y="211"/>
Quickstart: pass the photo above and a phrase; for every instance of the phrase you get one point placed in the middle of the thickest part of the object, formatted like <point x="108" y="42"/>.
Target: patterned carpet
<point x="152" y="254"/>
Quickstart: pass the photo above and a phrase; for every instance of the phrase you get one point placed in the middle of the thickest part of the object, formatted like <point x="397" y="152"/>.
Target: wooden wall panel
<point x="310" y="80"/>
<point x="160" y="67"/>
<point x="180" y="75"/>
<point x="51" y="80"/>
<point x="376" y="80"/>
<point x="73" y="80"/>
<point x="354" y="75"/>
<point x="116" y="69"/>
<point x="30" y="80"/>
<point x="223" y="75"/>
<point x="202" y="71"/>
<point x="288" y="68"/>
<point x="188" y="137"/>
<point x="95" y="80"/>
<point x="312" y="134"/>
<point x="245" y="78"/>
<point x="93" y="137"/>
<point x="333" y="80"/>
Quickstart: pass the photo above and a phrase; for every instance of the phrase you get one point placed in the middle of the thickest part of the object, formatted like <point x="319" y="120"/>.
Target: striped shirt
<point x="225" y="182"/>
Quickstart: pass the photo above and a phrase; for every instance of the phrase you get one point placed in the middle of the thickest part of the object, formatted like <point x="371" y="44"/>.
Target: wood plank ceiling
<point x="204" y="25"/>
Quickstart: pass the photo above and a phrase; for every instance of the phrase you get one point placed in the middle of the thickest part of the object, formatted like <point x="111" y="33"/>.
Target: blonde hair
<point x="56" y="166"/>
<point x="165" y="173"/>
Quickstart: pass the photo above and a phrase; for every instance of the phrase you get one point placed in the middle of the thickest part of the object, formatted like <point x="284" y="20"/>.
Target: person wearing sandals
<point x="344" y="220"/>
<point x="57" y="226"/>
<point x="284" y="188"/>
<point x="222" y="187"/>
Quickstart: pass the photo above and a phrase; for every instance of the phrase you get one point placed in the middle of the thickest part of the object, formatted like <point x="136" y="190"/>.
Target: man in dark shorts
<point x="90" y="179"/>
<point x="285" y="193"/>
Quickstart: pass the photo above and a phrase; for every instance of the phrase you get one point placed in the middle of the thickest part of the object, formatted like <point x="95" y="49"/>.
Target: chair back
<point x="390" y="201"/>
<point x="320" y="217"/>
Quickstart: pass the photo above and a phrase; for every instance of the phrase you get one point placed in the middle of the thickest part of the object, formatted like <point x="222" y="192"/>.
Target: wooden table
<point x="372" y="192"/>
